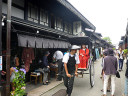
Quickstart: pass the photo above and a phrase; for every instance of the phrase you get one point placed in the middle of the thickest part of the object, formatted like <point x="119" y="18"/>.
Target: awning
<point x="30" y="41"/>
<point x="39" y="43"/>
<point x="80" y="40"/>
<point x="22" y="40"/>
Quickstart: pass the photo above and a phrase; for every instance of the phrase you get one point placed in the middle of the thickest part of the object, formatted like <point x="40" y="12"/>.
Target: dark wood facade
<point x="56" y="17"/>
<point x="124" y="43"/>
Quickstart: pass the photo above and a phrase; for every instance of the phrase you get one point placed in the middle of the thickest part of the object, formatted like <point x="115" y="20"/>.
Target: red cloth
<point x="84" y="58"/>
<point x="27" y="57"/>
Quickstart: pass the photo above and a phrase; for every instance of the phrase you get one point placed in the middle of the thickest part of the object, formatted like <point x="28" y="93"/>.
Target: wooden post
<point x="0" y="34"/>
<point x="8" y="48"/>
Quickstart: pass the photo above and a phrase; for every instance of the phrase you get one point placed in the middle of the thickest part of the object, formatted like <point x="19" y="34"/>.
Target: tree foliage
<point x="107" y="39"/>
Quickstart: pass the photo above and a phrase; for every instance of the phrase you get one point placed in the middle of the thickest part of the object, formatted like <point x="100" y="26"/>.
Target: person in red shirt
<point x="83" y="56"/>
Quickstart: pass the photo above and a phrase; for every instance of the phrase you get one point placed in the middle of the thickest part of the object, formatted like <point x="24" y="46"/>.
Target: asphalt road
<point x="82" y="85"/>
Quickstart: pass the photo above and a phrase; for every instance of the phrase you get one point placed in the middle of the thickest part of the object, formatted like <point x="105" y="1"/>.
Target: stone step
<point x="61" y="92"/>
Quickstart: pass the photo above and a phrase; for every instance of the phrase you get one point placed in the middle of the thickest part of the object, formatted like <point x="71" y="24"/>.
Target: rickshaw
<point x="86" y="41"/>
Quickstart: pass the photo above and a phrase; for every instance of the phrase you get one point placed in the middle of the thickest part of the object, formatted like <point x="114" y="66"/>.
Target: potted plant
<point x="125" y="51"/>
<point x="19" y="82"/>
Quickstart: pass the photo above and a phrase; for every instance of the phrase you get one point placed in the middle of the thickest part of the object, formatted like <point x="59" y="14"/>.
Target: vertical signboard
<point x="0" y="63"/>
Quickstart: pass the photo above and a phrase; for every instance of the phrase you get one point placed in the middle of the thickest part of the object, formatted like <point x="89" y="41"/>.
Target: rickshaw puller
<point x="71" y="61"/>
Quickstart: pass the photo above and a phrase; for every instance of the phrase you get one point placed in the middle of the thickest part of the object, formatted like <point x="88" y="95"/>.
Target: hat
<point x="47" y="52"/>
<point x="75" y="47"/>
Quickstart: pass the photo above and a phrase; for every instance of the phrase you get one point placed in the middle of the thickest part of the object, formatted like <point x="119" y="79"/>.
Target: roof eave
<point x="77" y="13"/>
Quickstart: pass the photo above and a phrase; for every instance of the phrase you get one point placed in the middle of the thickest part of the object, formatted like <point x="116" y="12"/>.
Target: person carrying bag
<point x="45" y="67"/>
<point x="110" y="70"/>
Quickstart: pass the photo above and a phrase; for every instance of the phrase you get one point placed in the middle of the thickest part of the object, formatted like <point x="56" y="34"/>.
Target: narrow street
<point x="82" y="86"/>
<point x="37" y="35"/>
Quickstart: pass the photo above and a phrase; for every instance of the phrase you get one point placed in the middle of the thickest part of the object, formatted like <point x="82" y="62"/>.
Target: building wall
<point x="42" y="16"/>
<point x="77" y="27"/>
<point x="15" y="11"/>
<point x="18" y="2"/>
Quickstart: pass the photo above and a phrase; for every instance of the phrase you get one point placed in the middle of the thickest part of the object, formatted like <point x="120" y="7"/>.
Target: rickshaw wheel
<point x="91" y="72"/>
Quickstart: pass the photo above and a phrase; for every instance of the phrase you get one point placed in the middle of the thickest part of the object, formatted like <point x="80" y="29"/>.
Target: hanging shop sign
<point x="0" y="63"/>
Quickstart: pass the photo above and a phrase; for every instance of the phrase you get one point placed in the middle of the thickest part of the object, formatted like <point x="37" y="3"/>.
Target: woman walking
<point x="121" y="59"/>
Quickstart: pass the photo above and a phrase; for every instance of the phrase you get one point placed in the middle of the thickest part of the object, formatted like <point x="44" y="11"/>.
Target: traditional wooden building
<point x="125" y="39"/>
<point x="56" y="19"/>
<point x="42" y="25"/>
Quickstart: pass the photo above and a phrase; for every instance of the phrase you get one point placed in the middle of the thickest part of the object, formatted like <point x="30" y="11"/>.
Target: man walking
<point x="58" y="56"/>
<point x="110" y="69"/>
<point x="71" y="61"/>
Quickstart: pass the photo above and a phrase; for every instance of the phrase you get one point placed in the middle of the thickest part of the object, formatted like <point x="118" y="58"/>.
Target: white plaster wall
<point x="15" y="11"/>
<point x="77" y="27"/>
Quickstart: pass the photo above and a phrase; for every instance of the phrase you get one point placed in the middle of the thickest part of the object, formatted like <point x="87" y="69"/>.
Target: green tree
<point x="107" y="39"/>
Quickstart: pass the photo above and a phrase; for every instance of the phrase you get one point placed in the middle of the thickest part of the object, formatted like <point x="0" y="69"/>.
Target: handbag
<point x="117" y="74"/>
<point x="46" y="69"/>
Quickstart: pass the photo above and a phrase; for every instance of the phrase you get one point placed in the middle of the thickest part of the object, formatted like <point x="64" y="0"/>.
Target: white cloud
<point x="109" y="16"/>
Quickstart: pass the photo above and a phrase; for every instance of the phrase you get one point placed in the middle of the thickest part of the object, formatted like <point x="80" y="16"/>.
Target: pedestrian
<point x="110" y="70"/>
<point x="45" y="67"/>
<point x="126" y="79"/>
<point x="58" y="56"/>
<point x="71" y="61"/>
<point x="105" y="53"/>
<point x="66" y="51"/>
<point x="121" y="59"/>
<point x="83" y="56"/>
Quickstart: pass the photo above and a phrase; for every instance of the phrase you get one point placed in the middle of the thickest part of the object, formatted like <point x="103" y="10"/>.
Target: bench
<point x="36" y="77"/>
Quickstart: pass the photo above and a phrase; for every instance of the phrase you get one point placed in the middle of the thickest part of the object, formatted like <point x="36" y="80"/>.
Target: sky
<point x="108" y="16"/>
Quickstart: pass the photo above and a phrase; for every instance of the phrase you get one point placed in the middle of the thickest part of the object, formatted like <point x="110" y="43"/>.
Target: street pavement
<point x="82" y="85"/>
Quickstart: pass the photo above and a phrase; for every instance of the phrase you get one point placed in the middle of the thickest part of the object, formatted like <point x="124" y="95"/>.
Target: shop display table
<point x="36" y="75"/>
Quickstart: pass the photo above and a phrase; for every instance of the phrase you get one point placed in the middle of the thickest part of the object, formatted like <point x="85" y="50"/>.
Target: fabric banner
<point x="39" y="42"/>
<point x="22" y="41"/>
<point x="51" y="43"/>
<point x="32" y="42"/>
<point x="45" y="43"/>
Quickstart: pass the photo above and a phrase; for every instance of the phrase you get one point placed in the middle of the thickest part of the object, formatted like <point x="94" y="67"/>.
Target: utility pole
<point x="8" y="48"/>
